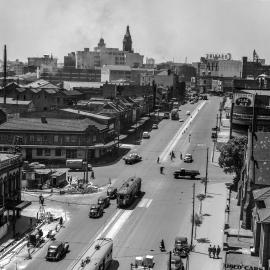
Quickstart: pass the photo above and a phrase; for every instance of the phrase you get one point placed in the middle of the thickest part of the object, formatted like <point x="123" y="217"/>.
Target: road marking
<point x="145" y="203"/>
<point x="119" y="224"/>
<point x="109" y="223"/>
<point x="165" y="154"/>
<point x="149" y="202"/>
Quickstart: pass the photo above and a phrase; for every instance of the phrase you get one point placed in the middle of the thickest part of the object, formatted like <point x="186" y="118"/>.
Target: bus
<point x="127" y="193"/>
<point x="100" y="255"/>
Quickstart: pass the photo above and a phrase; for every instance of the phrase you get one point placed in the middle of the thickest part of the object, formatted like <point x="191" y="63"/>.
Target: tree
<point x="231" y="157"/>
<point x="201" y="197"/>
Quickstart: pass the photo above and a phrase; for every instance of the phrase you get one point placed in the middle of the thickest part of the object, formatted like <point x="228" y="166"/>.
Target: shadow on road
<point x="114" y="265"/>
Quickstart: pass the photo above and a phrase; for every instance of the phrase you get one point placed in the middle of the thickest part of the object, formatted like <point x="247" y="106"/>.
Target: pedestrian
<point x="218" y="251"/>
<point x="210" y="251"/>
<point x="93" y="175"/>
<point x="161" y="169"/>
<point x="158" y="160"/>
<point x="173" y="155"/>
<point x="214" y="251"/>
<point x="41" y="199"/>
<point x="61" y="221"/>
<point x="181" y="157"/>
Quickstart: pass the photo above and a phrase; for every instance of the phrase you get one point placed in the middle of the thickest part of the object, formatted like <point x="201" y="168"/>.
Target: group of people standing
<point x="172" y="155"/>
<point x="214" y="252"/>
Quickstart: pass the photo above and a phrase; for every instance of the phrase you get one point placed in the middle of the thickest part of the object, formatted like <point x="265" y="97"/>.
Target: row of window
<point x="70" y="153"/>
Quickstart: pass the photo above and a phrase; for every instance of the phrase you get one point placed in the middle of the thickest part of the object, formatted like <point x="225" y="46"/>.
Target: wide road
<point x="164" y="210"/>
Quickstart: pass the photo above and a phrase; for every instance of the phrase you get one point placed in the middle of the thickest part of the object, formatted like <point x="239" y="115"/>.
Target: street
<point x="163" y="211"/>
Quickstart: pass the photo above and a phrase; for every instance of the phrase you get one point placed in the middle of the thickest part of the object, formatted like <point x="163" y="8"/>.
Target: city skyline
<point x="171" y="30"/>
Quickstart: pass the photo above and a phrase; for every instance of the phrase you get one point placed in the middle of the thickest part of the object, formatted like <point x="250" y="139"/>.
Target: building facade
<point x="53" y="139"/>
<point x="10" y="191"/>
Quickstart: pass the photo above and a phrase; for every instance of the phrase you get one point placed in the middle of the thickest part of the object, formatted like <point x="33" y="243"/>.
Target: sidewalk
<point x="211" y="230"/>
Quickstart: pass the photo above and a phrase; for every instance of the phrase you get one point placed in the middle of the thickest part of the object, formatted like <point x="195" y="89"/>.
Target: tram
<point x="127" y="193"/>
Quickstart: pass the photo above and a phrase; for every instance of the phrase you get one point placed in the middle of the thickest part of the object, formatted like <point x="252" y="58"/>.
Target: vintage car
<point x="132" y="158"/>
<point x="96" y="211"/>
<point x="146" y="135"/>
<point x="112" y="192"/>
<point x="57" y="250"/>
<point x="188" y="158"/>
<point x="155" y="126"/>
<point x="166" y="115"/>
<point x="181" y="246"/>
<point x="104" y="201"/>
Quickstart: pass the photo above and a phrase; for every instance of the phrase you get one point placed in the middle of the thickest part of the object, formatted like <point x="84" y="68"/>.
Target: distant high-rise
<point x="127" y="42"/>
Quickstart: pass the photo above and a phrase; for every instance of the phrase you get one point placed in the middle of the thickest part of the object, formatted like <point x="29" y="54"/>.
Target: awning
<point x="122" y="137"/>
<point x="23" y="205"/>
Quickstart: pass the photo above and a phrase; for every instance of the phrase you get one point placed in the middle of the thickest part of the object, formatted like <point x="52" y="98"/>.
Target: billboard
<point x="243" y="99"/>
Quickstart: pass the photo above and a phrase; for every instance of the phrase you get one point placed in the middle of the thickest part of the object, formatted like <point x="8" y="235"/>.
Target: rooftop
<point x="12" y="101"/>
<point x="258" y="92"/>
<point x="97" y="116"/>
<point x="52" y="124"/>
<point x="69" y="85"/>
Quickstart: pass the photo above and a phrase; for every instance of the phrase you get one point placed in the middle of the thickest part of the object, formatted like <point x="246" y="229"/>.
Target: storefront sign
<point x="244" y="100"/>
<point x="241" y="266"/>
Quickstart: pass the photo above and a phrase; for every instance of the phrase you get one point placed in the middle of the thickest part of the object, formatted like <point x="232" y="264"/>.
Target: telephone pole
<point x="206" y="172"/>
<point x="170" y="259"/>
<point x="193" y="210"/>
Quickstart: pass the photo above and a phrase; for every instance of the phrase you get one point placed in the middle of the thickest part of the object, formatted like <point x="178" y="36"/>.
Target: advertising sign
<point x="241" y="266"/>
<point x="243" y="99"/>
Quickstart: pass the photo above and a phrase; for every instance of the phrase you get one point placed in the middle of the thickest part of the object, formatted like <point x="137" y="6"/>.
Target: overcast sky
<point x="162" y="29"/>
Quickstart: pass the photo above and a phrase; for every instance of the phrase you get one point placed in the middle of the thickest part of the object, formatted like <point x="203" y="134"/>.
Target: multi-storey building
<point x="10" y="190"/>
<point x="102" y="55"/>
<point x="55" y="139"/>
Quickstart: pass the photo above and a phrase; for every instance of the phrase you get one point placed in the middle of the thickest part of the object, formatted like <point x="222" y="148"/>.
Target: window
<point x="38" y="138"/>
<point x="39" y="152"/>
<point x="58" y="152"/>
<point x="55" y="138"/>
<point x="71" y="153"/>
<point x="73" y="138"/>
<point x="67" y="139"/>
<point x="31" y="138"/>
<point x="47" y="152"/>
<point x="94" y="138"/>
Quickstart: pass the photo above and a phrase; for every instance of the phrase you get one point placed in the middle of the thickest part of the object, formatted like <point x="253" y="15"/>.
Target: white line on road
<point x="145" y="203"/>
<point x="119" y="224"/>
<point x="164" y="155"/>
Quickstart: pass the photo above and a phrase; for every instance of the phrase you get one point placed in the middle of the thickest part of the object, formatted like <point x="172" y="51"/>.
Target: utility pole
<point x="170" y="259"/>
<point x="206" y="172"/>
<point x="5" y="73"/>
<point x="217" y="121"/>
<point x="193" y="210"/>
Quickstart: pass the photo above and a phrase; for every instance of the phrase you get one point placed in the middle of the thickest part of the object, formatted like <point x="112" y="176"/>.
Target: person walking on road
<point x="181" y="157"/>
<point x="214" y="251"/>
<point x="158" y="160"/>
<point x="93" y="175"/>
<point x="161" y="169"/>
<point x="173" y="155"/>
<point x="210" y="251"/>
<point x="218" y="251"/>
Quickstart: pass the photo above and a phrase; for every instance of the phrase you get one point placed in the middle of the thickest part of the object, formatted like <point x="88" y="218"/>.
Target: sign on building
<point x="243" y="99"/>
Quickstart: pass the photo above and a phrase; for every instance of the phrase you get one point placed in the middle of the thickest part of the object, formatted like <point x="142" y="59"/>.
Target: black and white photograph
<point x="134" y="135"/>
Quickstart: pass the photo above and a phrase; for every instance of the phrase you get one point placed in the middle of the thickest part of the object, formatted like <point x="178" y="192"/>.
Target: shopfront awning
<point x="23" y="205"/>
<point x="122" y="137"/>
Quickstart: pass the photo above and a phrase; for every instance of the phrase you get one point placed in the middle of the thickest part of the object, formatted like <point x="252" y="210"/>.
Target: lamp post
<point x="206" y="172"/>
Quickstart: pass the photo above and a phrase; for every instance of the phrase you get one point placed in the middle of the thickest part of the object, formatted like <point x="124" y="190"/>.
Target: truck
<point x="174" y="114"/>
<point x="77" y="164"/>
<point x="184" y="173"/>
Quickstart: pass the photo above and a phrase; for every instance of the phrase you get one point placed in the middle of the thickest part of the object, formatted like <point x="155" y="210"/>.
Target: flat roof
<point x="98" y="116"/>
<point x="12" y="101"/>
<point x="70" y="85"/>
<point x="52" y="124"/>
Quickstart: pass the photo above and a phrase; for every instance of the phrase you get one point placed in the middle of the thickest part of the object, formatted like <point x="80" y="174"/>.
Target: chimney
<point x="43" y="120"/>
<point x="5" y="73"/>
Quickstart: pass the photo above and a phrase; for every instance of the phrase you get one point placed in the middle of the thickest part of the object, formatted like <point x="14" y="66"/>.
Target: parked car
<point x="187" y="112"/>
<point x="166" y="115"/>
<point x="181" y="120"/>
<point x="132" y="158"/>
<point x="155" y="126"/>
<point x="112" y="192"/>
<point x="181" y="246"/>
<point x="37" y="165"/>
<point x="188" y="158"/>
<point x="104" y="201"/>
<point x="146" y="135"/>
<point x="57" y="250"/>
<point x="96" y="210"/>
